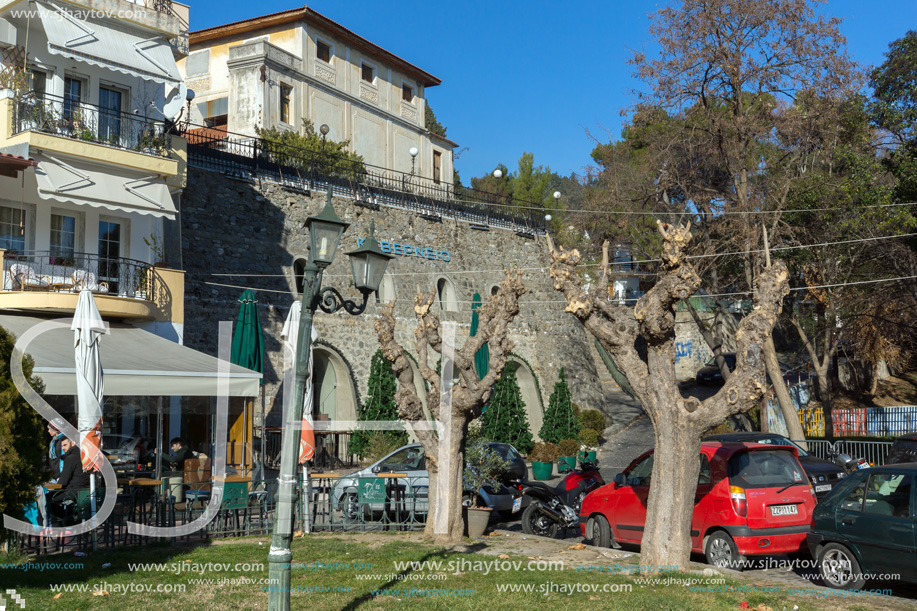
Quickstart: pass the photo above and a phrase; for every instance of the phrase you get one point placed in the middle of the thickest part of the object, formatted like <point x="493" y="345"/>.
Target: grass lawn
<point x="370" y="565"/>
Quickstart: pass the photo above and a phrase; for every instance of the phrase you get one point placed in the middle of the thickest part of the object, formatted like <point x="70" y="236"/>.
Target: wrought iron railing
<point x="332" y="449"/>
<point x="50" y="270"/>
<point x="247" y="507"/>
<point x="247" y="158"/>
<point x="64" y="116"/>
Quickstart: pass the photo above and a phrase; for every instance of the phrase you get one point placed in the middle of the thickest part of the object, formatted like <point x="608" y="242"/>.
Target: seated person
<point x="180" y="453"/>
<point x="72" y="477"/>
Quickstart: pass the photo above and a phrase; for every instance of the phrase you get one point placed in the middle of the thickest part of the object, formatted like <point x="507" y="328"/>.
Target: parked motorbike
<point x="558" y="507"/>
<point x="845" y="462"/>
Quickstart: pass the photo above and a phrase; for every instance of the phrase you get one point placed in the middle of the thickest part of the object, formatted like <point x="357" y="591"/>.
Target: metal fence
<point x="875" y="452"/>
<point x="248" y="158"/>
<point x="332" y="449"/>
<point x="247" y="507"/>
<point x="72" y="118"/>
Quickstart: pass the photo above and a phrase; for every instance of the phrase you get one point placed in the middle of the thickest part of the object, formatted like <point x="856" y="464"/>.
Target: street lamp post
<point x="368" y="264"/>
<point x="413" y="151"/>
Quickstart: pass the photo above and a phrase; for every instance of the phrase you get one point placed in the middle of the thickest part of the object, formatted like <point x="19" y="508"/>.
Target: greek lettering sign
<point x="410" y="250"/>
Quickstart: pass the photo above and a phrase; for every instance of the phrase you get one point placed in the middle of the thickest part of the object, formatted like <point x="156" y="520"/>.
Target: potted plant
<point x="590" y="439"/>
<point x="543" y="455"/>
<point x="158" y="248"/>
<point x="567" y="449"/>
<point x="483" y="467"/>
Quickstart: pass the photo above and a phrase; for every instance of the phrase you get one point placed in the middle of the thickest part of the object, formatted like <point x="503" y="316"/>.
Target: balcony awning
<point x="111" y="187"/>
<point x="135" y="363"/>
<point x="107" y="43"/>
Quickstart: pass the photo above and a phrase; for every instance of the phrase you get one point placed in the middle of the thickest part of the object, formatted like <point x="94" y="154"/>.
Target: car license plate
<point x="783" y="510"/>
<point x="823" y="488"/>
<point x="517" y="504"/>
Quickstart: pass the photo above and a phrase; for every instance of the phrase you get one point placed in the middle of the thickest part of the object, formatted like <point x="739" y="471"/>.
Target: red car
<point x="751" y="499"/>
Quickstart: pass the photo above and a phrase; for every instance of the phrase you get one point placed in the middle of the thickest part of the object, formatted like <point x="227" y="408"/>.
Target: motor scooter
<point x="845" y="462"/>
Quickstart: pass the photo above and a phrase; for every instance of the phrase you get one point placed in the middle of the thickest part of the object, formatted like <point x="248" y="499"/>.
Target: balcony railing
<point x="63" y="116"/>
<point x="246" y="157"/>
<point x="71" y="272"/>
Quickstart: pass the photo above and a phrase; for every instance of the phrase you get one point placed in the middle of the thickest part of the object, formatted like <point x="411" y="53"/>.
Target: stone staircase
<point x="605" y="379"/>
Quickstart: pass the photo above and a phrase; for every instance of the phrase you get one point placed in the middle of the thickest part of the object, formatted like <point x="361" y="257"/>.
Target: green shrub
<point x="483" y="467"/>
<point x="379" y="445"/>
<point x="504" y="419"/>
<point x="560" y="418"/>
<point x="380" y="405"/>
<point x="592" y="419"/>
<point x="568" y="447"/>
<point x="543" y="451"/>
<point x="590" y="438"/>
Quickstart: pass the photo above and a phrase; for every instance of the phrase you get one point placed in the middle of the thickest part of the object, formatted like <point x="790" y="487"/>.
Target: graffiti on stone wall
<point x="683" y="350"/>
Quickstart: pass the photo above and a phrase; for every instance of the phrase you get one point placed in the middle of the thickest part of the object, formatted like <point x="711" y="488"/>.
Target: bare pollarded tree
<point x="468" y="395"/>
<point x="679" y="423"/>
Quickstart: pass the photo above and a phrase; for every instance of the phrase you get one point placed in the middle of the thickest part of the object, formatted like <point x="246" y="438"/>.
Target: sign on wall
<point x="409" y="250"/>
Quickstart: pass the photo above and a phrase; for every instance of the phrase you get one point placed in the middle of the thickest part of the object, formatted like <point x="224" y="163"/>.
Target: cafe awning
<point x="135" y="362"/>
<point x="114" y="188"/>
<point x="109" y="44"/>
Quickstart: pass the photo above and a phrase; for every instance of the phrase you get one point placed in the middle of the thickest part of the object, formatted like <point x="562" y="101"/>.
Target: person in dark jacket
<point x="180" y="453"/>
<point x="72" y="477"/>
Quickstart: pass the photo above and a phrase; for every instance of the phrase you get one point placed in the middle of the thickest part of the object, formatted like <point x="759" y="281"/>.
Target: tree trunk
<point x="676" y="465"/>
<point x="446" y="498"/>
<point x="824" y="392"/>
<point x="873" y="380"/>
<point x="793" y="426"/>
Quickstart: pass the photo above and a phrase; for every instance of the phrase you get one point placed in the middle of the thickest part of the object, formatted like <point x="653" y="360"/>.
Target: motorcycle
<point x="555" y="508"/>
<point x="845" y="462"/>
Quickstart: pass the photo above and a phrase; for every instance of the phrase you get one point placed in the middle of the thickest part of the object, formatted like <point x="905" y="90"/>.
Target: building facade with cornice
<point x="279" y="69"/>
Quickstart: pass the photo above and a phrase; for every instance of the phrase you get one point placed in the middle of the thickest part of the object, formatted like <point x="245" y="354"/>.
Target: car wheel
<point x="839" y="567"/>
<point x="599" y="531"/>
<point x="721" y="551"/>
<point x="536" y="522"/>
<point x="351" y="508"/>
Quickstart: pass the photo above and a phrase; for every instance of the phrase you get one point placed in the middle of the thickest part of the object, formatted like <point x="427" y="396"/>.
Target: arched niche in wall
<point x="493" y="290"/>
<point x="386" y="292"/>
<point x="525" y="377"/>
<point x="445" y="292"/>
<point x="299" y="267"/>
<point x="334" y="398"/>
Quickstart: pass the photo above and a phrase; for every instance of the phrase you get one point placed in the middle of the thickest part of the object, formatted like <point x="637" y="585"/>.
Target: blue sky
<point x="536" y="76"/>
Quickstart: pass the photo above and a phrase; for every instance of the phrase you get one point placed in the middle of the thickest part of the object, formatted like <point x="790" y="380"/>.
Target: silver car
<point x="413" y="488"/>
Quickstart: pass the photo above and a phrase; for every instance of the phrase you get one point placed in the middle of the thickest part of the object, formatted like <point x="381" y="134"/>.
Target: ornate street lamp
<point x="368" y="264"/>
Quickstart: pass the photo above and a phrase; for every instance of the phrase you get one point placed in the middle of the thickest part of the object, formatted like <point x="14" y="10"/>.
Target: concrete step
<point x="605" y="378"/>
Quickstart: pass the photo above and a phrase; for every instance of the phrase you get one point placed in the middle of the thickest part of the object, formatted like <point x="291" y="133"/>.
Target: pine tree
<point x="21" y="436"/>
<point x="559" y="419"/>
<point x="380" y="404"/>
<point x="505" y="420"/>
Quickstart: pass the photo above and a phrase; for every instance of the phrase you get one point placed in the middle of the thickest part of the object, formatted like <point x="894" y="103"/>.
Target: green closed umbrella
<point x="482" y="356"/>
<point x="247" y="340"/>
<point x="248" y="352"/>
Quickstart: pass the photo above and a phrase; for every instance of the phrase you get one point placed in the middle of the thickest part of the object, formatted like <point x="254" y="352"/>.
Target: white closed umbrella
<point x="90" y="385"/>
<point x="290" y="336"/>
